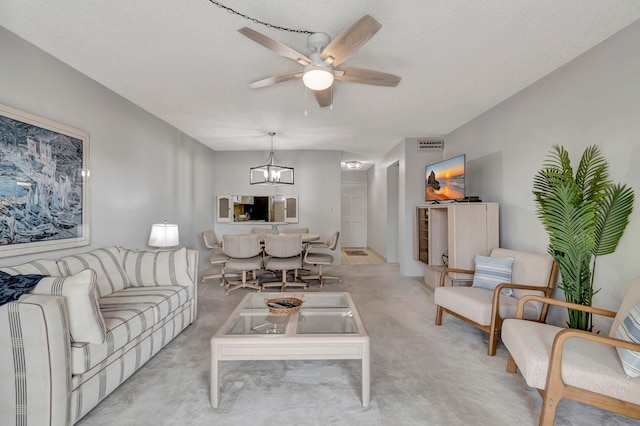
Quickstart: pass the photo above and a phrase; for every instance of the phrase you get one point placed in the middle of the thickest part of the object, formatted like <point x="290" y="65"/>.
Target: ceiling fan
<point x="321" y="66"/>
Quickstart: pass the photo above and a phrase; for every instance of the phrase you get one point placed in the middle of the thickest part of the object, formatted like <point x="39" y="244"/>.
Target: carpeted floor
<point x="420" y="374"/>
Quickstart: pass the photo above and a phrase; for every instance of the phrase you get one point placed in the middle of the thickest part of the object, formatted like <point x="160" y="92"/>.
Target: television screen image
<point x="445" y="180"/>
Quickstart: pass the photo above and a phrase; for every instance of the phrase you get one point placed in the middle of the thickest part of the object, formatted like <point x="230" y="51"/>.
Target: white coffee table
<point x="326" y="327"/>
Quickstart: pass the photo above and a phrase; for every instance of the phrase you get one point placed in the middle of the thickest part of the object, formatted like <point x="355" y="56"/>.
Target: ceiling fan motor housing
<point x="318" y="41"/>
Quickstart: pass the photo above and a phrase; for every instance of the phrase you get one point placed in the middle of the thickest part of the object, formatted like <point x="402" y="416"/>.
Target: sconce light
<point x="164" y="235"/>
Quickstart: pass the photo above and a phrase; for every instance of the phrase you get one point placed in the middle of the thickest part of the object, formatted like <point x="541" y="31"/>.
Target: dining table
<point x="306" y="238"/>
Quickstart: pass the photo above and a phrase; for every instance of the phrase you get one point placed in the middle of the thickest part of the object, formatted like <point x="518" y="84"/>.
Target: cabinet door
<point x="291" y="210"/>
<point x="422" y="237"/>
<point x="224" y="208"/>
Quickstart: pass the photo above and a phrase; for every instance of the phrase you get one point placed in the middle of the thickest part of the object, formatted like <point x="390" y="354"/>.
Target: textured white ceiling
<point x="185" y="62"/>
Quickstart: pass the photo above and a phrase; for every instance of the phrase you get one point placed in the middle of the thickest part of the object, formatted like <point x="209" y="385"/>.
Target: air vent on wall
<point x="430" y="145"/>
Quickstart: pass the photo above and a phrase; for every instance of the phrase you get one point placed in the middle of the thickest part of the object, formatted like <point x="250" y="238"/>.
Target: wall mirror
<point x="252" y="209"/>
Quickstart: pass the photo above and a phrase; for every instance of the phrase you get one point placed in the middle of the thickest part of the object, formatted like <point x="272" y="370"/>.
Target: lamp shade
<point x="317" y="77"/>
<point x="164" y="235"/>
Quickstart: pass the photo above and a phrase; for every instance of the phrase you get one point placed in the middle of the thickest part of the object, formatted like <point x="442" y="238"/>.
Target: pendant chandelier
<point x="271" y="173"/>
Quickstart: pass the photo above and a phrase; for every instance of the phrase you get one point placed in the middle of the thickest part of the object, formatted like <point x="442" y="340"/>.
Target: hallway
<point x="371" y="257"/>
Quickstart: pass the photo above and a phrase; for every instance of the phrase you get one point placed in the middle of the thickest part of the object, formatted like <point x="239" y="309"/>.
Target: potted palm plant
<point x="585" y="215"/>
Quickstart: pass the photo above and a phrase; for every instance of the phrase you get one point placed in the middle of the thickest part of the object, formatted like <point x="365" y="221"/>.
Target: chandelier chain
<point x="257" y="21"/>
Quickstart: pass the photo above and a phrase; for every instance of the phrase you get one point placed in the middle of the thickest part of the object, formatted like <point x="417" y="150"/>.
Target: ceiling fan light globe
<point x="317" y="77"/>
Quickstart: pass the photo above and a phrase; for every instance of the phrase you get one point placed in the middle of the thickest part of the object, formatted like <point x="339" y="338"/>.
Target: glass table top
<point x="321" y="313"/>
<point x="311" y="300"/>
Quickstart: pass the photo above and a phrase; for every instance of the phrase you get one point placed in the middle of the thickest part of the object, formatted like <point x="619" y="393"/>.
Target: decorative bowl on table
<point x="283" y="305"/>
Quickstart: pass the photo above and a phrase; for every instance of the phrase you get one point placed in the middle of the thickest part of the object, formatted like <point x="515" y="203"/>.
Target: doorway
<point x="353" y="220"/>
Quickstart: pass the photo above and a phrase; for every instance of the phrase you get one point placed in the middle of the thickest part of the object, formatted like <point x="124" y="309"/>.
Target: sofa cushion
<point x="128" y="314"/>
<point x="491" y="271"/>
<point x="156" y="267"/>
<point x="41" y="267"/>
<point x="81" y="301"/>
<point x="162" y="299"/>
<point x="629" y="330"/>
<point x="105" y="261"/>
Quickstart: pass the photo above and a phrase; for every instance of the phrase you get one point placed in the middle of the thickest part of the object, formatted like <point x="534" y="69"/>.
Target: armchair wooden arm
<point x="496" y="319"/>
<point x="562" y="303"/>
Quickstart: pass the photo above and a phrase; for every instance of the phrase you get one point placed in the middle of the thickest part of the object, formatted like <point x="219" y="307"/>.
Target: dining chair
<point x="498" y="282"/>
<point x="217" y="259"/>
<point x="318" y="259"/>
<point x="283" y="253"/>
<point x="245" y="257"/>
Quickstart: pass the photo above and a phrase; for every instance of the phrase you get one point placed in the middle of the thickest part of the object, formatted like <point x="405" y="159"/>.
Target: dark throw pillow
<point x="14" y="286"/>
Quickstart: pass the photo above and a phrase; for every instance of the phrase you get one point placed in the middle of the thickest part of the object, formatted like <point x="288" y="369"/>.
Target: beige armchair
<point x="574" y="364"/>
<point x="283" y="253"/>
<point x="531" y="273"/>
<point x="245" y="257"/>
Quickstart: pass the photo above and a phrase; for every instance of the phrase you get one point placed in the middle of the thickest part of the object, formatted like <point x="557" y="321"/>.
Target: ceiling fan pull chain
<point x="331" y="107"/>
<point x="306" y="110"/>
<point x="257" y="21"/>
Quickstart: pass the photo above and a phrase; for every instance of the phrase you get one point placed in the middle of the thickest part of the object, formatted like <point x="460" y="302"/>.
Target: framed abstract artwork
<point x="44" y="190"/>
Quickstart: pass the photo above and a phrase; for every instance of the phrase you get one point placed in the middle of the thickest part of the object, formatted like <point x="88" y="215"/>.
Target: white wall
<point x="142" y="170"/>
<point x="317" y="186"/>
<point x="595" y="99"/>
<point x="410" y="193"/>
<point x="393" y="213"/>
<point x="353" y="176"/>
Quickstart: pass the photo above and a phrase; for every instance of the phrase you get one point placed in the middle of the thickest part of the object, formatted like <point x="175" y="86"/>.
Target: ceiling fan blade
<point x="324" y="97"/>
<point x="274" y="45"/>
<point x="269" y="81"/>
<point x="350" y="40"/>
<point x="360" y="75"/>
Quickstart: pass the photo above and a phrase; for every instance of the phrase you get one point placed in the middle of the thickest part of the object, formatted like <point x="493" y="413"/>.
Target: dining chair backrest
<point x="241" y="246"/>
<point x="210" y="239"/>
<point x="332" y="242"/>
<point x="285" y="245"/>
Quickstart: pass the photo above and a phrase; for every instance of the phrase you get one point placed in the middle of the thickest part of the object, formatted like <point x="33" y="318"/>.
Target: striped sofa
<point x="88" y="327"/>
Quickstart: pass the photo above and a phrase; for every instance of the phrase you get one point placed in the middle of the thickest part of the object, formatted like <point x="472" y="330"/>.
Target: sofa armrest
<point x="35" y="372"/>
<point x="192" y="264"/>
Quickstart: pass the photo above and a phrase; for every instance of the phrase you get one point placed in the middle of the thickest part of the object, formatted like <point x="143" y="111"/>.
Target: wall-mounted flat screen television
<point x="445" y="180"/>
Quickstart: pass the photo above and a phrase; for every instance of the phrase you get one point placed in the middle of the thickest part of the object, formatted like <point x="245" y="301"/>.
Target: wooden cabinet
<point x="453" y="234"/>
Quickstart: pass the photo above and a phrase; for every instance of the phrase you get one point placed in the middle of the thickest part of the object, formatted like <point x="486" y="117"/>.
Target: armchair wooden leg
<point x="494" y="336"/>
<point x="439" y="316"/>
<point x="511" y="365"/>
<point x="493" y="342"/>
<point x="549" y="407"/>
